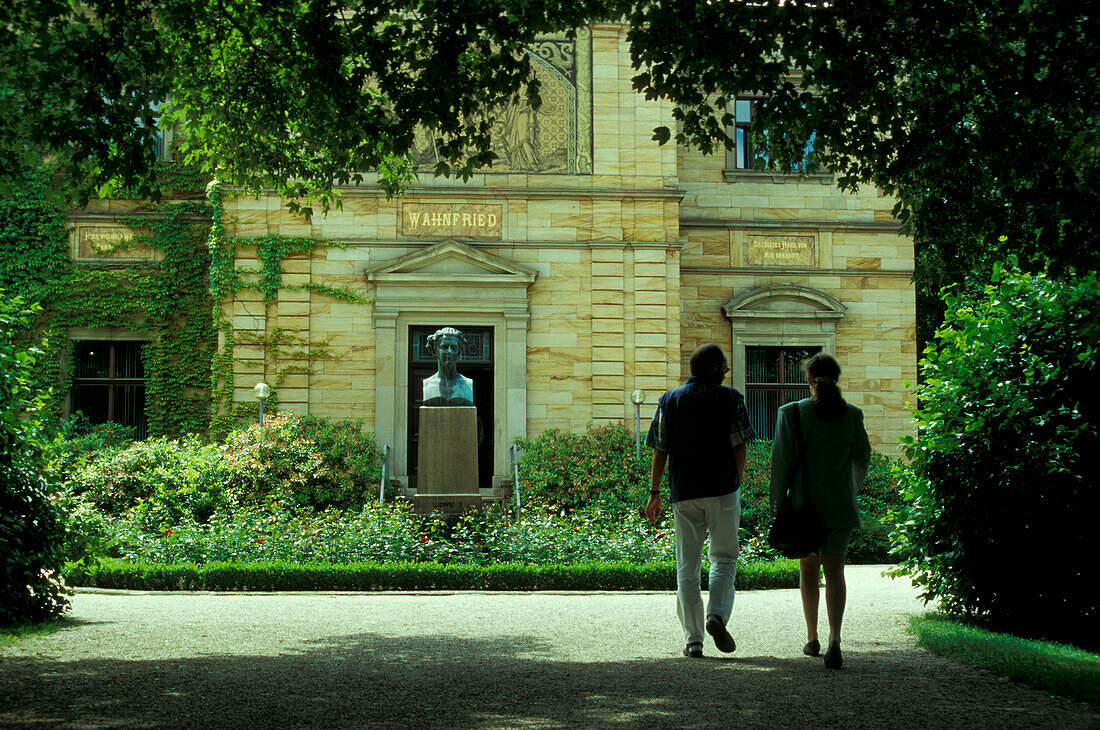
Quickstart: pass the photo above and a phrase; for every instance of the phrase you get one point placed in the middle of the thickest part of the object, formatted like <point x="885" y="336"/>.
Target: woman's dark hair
<point x="824" y="371"/>
<point x="707" y="361"/>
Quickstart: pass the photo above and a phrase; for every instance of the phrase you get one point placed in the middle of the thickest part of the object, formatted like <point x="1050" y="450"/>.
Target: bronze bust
<point x="447" y="387"/>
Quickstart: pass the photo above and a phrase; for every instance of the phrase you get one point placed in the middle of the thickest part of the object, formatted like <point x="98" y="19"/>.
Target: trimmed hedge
<point x="408" y="576"/>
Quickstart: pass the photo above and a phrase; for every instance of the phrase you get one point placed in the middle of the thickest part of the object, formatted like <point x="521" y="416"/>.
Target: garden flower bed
<point x="294" y="506"/>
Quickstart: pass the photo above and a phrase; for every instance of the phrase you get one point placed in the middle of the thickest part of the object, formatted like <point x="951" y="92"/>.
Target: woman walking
<point x="836" y="452"/>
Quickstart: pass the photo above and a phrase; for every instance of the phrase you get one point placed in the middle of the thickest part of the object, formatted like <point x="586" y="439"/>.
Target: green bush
<point x="160" y="481"/>
<point x="574" y="470"/>
<point x="30" y="523"/>
<point x="878" y="496"/>
<point x="299" y="462"/>
<point x="368" y="576"/>
<point x="598" y="467"/>
<point x="89" y="534"/>
<point x="78" y="441"/>
<point x="1002" y="482"/>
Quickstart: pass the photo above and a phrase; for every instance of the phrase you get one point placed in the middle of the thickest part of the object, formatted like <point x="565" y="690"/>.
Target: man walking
<point x="700" y="430"/>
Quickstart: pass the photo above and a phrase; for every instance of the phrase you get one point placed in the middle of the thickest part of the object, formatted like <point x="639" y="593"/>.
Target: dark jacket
<point x="699" y="424"/>
<point x="837" y="456"/>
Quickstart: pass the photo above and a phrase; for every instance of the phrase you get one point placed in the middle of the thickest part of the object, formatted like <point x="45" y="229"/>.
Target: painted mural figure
<point x="447" y="387"/>
<point x="521" y="132"/>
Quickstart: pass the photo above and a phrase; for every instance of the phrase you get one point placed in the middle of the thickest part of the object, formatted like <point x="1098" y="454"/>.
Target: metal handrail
<point x="515" y="473"/>
<point x="385" y="473"/>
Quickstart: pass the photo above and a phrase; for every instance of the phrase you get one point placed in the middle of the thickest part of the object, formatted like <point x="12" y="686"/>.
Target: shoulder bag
<point x="796" y="533"/>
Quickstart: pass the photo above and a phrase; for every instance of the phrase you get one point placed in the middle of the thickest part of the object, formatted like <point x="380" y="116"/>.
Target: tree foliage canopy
<point x="979" y="116"/>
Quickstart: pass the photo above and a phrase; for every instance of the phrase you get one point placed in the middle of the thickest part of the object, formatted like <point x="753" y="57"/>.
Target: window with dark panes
<point x="109" y="382"/>
<point x="743" y="113"/>
<point x="744" y="154"/>
<point x="773" y="378"/>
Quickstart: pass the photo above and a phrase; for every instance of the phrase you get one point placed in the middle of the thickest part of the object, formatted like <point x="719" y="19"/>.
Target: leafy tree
<point x="31" y="530"/>
<point x="978" y="116"/>
<point x="300" y="96"/>
<point x="1001" y="485"/>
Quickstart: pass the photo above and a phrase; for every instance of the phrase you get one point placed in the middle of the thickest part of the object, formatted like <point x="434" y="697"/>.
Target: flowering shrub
<point x="301" y="462"/>
<point x="598" y="467"/>
<point x="30" y="524"/>
<point x="879" y="495"/>
<point x="159" y="481"/>
<point x="577" y="469"/>
<point x="79" y="441"/>
<point x="392" y="533"/>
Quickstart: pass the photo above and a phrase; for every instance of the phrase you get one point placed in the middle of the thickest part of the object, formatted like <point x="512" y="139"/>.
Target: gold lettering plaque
<point x="772" y="250"/>
<point x="445" y="220"/>
<point x="98" y="241"/>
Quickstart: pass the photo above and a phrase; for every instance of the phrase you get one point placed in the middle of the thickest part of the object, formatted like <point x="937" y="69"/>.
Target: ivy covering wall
<point x="173" y="301"/>
<point x="285" y="351"/>
<point x="165" y="301"/>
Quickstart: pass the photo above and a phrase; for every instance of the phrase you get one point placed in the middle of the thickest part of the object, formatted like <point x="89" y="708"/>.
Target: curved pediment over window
<point x="783" y="301"/>
<point x="780" y="316"/>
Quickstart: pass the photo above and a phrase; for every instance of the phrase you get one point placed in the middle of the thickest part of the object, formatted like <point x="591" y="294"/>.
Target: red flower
<point x="576" y="529"/>
<point x="423" y="538"/>
<point x="259" y="539"/>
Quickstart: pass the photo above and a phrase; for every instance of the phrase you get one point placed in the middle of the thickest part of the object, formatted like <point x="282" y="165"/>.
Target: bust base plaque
<point x="447" y="474"/>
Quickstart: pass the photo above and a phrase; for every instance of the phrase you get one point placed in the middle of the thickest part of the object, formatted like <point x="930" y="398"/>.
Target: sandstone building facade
<point x="588" y="264"/>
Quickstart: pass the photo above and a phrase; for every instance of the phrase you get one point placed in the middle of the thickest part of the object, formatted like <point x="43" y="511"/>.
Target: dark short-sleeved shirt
<point x="698" y="425"/>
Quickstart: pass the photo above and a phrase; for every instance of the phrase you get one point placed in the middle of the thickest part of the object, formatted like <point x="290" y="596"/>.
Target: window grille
<point x="773" y="378"/>
<point x="109" y="383"/>
<point x="478" y="349"/>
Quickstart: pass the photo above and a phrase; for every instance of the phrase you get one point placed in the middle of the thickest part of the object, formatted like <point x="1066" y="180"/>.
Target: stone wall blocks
<point x="607" y="311"/>
<point x="607" y="368"/>
<point x="656" y="270"/>
<point x="649" y="311"/>
<point x="293" y="295"/>
<point x="650" y="298"/>
<point x="607" y="269"/>
<point x="650" y="340"/>
<point x="294" y="324"/>
<point x="608" y="412"/>
<point x="610" y="295"/>
<point x="608" y="352"/>
<point x="603" y="328"/>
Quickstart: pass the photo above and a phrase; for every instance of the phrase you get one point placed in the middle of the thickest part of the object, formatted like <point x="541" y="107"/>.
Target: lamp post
<point x="637" y="397"/>
<point x="262" y="391"/>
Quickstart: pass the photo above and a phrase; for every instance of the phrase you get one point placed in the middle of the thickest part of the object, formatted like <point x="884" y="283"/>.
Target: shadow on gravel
<point x="441" y="681"/>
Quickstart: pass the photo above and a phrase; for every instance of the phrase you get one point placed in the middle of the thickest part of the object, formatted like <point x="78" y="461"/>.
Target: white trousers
<point x="694" y="519"/>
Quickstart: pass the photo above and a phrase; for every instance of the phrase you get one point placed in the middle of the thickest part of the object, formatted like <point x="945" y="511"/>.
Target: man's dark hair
<point x="707" y="360"/>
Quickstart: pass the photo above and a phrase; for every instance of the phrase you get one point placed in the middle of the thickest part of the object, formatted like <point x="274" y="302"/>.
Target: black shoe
<point x="694" y="650"/>
<point x="812" y="648"/>
<point x="722" y="639"/>
<point x="833" y="658"/>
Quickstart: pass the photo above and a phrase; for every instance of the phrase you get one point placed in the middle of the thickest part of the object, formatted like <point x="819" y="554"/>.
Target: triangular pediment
<point x="450" y="260"/>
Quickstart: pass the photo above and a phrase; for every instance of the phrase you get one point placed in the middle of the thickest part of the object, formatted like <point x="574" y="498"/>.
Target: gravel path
<point x="499" y="660"/>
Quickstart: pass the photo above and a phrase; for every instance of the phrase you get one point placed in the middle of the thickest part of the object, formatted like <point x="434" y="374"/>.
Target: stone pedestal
<point x="447" y="478"/>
